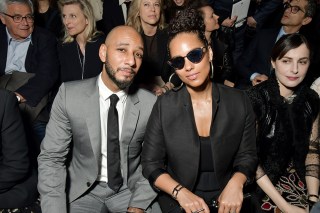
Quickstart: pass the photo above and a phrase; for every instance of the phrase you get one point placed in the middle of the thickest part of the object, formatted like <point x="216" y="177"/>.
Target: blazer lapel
<point x="3" y="50"/>
<point x="130" y="120"/>
<point x="92" y="112"/>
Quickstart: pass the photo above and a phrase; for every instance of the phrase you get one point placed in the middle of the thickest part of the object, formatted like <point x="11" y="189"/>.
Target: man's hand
<point x="135" y="210"/>
<point x="251" y="22"/>
<point x="258" y="79"/>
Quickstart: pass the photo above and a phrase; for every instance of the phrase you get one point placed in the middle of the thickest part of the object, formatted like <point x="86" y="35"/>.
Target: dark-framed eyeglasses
<point x="18" y="18"/>
<point x="195" y="56"/>
<point x="294" y="9"/>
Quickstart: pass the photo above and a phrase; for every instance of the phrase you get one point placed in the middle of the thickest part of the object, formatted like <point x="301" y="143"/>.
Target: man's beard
<point x="122" y="84"/>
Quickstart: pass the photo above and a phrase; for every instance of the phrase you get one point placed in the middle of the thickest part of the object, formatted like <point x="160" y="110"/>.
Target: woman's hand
<point x="157" y="90"/>
<point x="231" y="198"/>
<point x="229" y="22"/>
<point x="191" y="203"/>
<point x="295" y="209"/>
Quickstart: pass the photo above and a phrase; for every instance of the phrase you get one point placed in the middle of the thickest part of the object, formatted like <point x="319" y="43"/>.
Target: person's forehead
<point x="300" y="3"/>
<point x="18" y="7"/>
<point x="130" y="39"/>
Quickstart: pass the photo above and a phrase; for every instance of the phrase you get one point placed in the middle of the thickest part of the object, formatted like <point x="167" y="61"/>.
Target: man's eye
<point x="17" y="17"/>
<point x="139" y="55"/>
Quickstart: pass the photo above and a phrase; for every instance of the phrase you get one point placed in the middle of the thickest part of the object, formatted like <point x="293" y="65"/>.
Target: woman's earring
<point x="175" y="88"/>
<point x="212" y="69"/>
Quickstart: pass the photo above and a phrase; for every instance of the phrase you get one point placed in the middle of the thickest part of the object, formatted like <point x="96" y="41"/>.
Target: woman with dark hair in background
<point x="172" y="7"/>
<point x="222" y="58"/>
<point x="47" y="15"/>
<point x="287" y="113"/>
<point x="79" y="50"/>
<point x="199" y="145"/>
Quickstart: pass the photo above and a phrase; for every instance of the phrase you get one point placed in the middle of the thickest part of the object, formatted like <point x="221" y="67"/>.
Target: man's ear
<point x="103" y="52"/>
<point x="306" y="20"/>
<point x="2" y="20"/>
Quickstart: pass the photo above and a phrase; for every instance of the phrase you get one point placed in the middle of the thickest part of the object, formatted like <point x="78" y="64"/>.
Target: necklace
<point x="82" y="62"/>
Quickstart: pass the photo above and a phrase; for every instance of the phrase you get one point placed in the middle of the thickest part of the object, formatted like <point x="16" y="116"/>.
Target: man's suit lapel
<point x="131" y="117"/>
<point x="3" y="49"/>
<point x="92" y="113"/>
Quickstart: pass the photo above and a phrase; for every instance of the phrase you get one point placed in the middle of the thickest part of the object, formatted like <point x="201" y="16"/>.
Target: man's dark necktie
<point x="127" y="3"/>
<point x="113" y="148"/>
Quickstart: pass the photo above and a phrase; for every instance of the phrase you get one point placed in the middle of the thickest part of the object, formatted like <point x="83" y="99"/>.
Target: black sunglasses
<point x="194" y="56"/>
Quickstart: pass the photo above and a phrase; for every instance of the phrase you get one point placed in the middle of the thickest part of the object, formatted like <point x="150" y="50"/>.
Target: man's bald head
<point x="120" y="31"/>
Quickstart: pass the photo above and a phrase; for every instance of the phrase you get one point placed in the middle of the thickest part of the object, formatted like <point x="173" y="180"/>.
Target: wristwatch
<point x="19" y="99"/>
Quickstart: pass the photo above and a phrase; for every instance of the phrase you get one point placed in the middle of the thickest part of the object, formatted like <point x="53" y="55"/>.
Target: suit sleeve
<point x="246" y="158"/>
<point x="54" y="150"/>
<point x="142" y="193"/>
<point x="245" y="69"/>
<point x="14" y="163"/>
<point x="267" y="8"/>
<point x="153" y="152"/>
<point x="42" y="59"/>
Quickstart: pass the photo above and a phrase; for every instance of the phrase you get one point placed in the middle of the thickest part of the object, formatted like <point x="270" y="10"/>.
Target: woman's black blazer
<point x="172" y="142"/>
<point x="70" y="66"/>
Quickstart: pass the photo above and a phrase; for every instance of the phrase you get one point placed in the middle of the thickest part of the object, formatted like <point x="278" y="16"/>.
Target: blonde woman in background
<point x="146" y="16"/>
<point x="79" y="49"/>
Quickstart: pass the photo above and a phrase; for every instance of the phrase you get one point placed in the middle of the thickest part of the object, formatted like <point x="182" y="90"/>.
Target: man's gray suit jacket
<point x="70" y="151"/>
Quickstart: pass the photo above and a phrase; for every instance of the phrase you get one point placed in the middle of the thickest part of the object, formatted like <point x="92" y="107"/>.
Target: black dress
<point x="50" y="20"/>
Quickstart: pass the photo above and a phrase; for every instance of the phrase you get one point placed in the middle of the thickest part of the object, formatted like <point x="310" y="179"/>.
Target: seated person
<point x="198" y="146"/>
<point x="222" y="60"/>
<point x="154" y="72"/>
<point x="287" y="113"/>
<point x="79" y="49"/>
<point x="28" y="64"/>
<point x="47" y="15"/>
<point x="255" y="66"/>
<point x="18" y="184"/>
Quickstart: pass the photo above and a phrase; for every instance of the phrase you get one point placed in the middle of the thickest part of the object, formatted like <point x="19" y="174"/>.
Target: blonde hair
<point x="90" y="31"/>
<point x="134" y="18"/>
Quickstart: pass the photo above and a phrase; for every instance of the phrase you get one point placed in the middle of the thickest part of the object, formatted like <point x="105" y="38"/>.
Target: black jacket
<point x="172" y="142"/>
<point x="70" y="66"/>
<point x="284" y="129"/>
<point x="18" y="182"/>
<point x="42" y="59"/>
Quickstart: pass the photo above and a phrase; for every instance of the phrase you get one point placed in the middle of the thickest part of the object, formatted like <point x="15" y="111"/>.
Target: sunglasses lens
<point x="177" y="63"/>
<point x="195" y="55"/>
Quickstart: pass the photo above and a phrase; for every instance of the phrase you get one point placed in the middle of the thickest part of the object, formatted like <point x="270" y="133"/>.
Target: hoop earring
<point x="175" y="88"/>
<point x="212" y="69"/>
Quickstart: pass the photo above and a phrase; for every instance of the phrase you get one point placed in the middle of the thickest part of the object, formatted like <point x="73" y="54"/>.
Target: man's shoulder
<point x="80" y="85"/>
<point x="270" y="33"/>
<point x="144" y="95"/>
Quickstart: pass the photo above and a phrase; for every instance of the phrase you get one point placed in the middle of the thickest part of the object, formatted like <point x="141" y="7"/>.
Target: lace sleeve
<point x="260" y="173"/>
<point x="312" y="160"/>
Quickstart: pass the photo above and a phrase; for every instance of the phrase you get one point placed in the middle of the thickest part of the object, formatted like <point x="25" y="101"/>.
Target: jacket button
<point x="88" y="184"/>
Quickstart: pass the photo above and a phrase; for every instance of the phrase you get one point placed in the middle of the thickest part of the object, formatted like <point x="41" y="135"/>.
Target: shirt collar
<point x="105" y="92"/>
<point x="122" y="1"/>
<point x="10" y="38"/>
